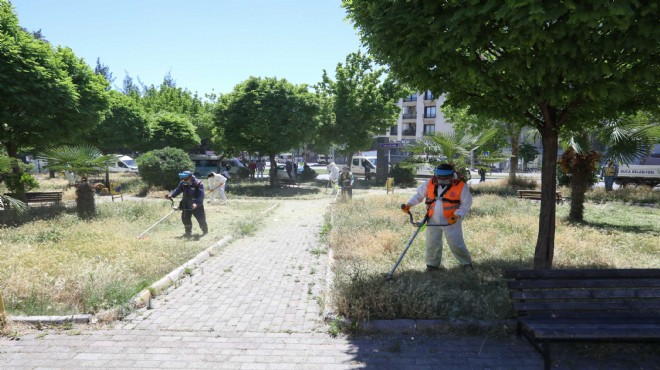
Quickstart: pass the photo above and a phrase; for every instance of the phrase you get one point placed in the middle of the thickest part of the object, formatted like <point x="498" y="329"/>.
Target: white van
<point x="358" y="163"/>
<point x="123" y="163"/>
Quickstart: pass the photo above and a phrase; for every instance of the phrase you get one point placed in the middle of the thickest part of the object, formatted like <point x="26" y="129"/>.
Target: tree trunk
<point x="85" y="206"/>
<point x="12" y="152"/>
<point x="514" y="158"/>
<point x="583" y="168"/>
<point x="545" y="243"/>
<point x="273" y="171"/>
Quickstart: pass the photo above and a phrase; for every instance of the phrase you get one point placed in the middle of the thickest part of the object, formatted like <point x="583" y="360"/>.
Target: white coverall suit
<point x="217" y="187"/>
<point x="334" y="177"/>
<point x="454" y="233"/>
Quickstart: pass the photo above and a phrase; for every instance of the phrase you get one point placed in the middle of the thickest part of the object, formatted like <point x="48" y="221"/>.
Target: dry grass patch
<point x="60" y="265"/>
<point x="369" y="234"/>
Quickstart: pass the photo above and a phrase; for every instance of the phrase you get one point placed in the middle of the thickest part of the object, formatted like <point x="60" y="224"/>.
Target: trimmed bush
<point x="403" y="177"/>
<point x="161" y="167"/>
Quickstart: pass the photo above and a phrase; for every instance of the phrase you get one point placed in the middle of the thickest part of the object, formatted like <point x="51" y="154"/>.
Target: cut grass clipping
<point x="369" y="234"/>
<point x="59" y="265"/>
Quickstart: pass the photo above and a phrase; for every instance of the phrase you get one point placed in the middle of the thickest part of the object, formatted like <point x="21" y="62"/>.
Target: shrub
<point x="160" y="167"/>
<point x="403" y="177"/>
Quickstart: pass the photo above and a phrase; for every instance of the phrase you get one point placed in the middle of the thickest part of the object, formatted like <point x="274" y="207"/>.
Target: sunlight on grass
<point x="369" y="234"/>
<point x="60" y="265"/>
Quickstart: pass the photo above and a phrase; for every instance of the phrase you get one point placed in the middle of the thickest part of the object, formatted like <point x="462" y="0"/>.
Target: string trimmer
<point x="174" y="209"/>
<point x="420" y="226"/>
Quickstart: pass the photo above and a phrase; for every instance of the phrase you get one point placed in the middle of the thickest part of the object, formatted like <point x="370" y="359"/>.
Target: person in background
<point x="217" y="184"/>
<point x="252" y="168"/>
<point x="609" y="173"/>
<point x="192" y="202"/>
<point x="261" y="166"/>
<point x="448" y="201"/>
<point x="482" y="174"/>
<point x="367" y="169"/>
<point x="346" y="180"/>
<point x="334" y="176"/>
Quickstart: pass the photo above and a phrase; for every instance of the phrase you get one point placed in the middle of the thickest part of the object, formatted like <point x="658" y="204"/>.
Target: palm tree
<point x="83" y="160"/>
<point x="623" y="141"/>
<point x="457" y="148"/>
<point x="15" y="205"/>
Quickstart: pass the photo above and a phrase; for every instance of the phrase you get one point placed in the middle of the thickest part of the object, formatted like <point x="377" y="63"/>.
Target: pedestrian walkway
<point x="257" y="304"/>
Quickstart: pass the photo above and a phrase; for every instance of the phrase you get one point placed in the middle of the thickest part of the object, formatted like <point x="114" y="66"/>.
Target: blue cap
<point x="185" y="175"/>
<point x="444" y="170"/>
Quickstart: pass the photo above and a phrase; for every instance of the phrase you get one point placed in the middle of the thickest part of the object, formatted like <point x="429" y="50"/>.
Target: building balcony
<point x="409" y="116"/>
<point x="408" y="132"/>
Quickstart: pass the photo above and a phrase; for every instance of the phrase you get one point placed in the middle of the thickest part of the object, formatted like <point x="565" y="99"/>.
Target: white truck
<point x="638" y="175"/>
<point x="123" y="163"/>
<point x="358" y="164"/>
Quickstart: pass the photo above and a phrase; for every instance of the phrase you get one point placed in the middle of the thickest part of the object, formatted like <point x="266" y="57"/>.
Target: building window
<point x="429" y="112"/>
<point x="394" y="130"/>
<point x="428" y="95"/>
<point x="429" y="129"/>
<point x="412" y="97"/>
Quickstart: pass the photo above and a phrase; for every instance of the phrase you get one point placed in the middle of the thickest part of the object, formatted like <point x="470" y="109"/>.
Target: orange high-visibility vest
<point x="451" y="199"/>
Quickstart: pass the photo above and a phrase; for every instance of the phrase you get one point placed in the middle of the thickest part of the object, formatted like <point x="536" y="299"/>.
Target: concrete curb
<point x="141" y="299"/>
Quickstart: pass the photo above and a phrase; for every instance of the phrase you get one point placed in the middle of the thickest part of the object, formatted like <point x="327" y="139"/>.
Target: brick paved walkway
<point x="255" y="305"/>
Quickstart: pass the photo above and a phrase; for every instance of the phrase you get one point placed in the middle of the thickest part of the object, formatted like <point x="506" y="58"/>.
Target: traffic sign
<point x="390" y="145"/>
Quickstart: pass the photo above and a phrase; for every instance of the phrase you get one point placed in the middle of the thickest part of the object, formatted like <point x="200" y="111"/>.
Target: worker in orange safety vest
<point x="448" y="201"/>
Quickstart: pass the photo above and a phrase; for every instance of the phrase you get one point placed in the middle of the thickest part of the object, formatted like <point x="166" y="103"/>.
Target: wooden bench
<point x="585" y="305"/>
<point x="42" y="197"/>
<point x="536" y="195"/>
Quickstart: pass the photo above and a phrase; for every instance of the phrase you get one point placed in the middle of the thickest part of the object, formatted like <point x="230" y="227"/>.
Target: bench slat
<point x="604" y="331"/>
<point x="582" y="273"/>
<point x="593" y="305"/>
<point x="585" y="294"/>
<point x="585" y="283"/>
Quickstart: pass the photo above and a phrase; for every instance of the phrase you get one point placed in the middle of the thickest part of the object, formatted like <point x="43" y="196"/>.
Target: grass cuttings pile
<point x="369" y="234"/>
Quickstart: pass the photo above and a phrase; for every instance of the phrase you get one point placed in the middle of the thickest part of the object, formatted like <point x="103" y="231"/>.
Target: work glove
<point x="452" y="219"/>
<point x="167" y="196"/>
<point x="405" y="208"/>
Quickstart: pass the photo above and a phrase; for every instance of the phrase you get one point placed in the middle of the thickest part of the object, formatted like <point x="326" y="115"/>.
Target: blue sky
<point x="206" y="45"/>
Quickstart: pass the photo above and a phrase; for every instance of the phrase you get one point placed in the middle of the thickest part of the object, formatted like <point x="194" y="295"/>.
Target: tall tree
<point x="104" y="70"/>
<point x="125" y="127"/>
<point x="129" y="87"/>
<point x="266" y="115"/>
<point x="48" y="96"/>
<point x="172" y="130"/>
<point x="622" y="140"/>
<point x="167" y="97"/>
<point x="474" y="124"/>
<point x="33" y="87"/>
<point x="555" y="63"/>
<point x="359" y="103"/>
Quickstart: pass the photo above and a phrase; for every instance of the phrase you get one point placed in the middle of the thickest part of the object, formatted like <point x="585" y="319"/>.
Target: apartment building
<point x="420" y="115"/>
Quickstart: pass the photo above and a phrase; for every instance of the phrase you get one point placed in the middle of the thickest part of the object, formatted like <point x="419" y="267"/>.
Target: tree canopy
<point x="40" y="89"/>
<point x="125" y="127"/>
<point x="266" y="115"/>
<point x="554" y="64"/>
<point x="358" y="104"/>
<point x="172" y="130"/>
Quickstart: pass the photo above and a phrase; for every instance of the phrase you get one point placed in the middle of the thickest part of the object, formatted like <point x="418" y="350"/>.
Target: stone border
<point x="143" y="298"/>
